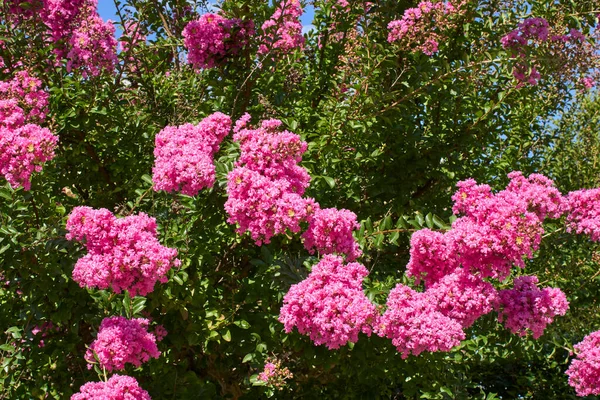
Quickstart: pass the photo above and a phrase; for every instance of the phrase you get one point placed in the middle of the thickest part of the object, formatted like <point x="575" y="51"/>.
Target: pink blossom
<point x="118" y="387"/>
<point x="584" y="371"/>
<point x="184" y="155"/>
<point x="22" y="100"/>
<point x="283" y="31"/>
<point x="123" y="253"/>
<point x="330" y="306"/>
<point x="588" y="82"/>
<point x="583" y="212"/>
<point x="266" y="187"/>
<point x="423" y="27"/>
<point x="93" y="47"/>
<point x="432" y="256"/>
<point x="274" y="375"/>
<point x="330" y="231"/>
<point x="539" y="192"/>
<point x="121" y="341"/>
<point x="213" y="39"/>
<point x="526" y="307"/>
<point x="263" y="206"/>
<point x="414" y="325"/>
<point x="23" y="151"/>
<point x="462" y="296"/>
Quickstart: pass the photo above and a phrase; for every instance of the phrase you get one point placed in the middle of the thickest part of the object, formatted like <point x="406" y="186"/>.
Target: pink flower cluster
<point x="283" y="31"/>
<point x="78" y="33"/>
<point x="583" y="212"/>
<point x="266" y="193"/>
<point x="23" y="151"/>
<point x="212" y="39"/>
<point x="414" y="324"/>
<point x="532" y="33"/>
<point x="93" y="47"/>
<point x="183" y="155"/>
<point x="266" y="187"/>
<point x="423" y="28"/>
<point x="62" y="17"/>
<point x="22" y="100"/>
<point x="330" y="306"/>
<point x="462" y="296"/>
<point x="121" y="341"/>
<point x="526" y="307"/>
<point x="118" y="387"/>
<point x="123" y="253"/>
<point x="496" y="231"/>
<point x="584" y="371"/>
<point x="330" y="231"/>
<point x="274" y="375"/>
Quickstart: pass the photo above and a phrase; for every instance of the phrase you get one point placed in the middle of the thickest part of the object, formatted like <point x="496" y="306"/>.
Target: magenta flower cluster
<point x="496" y="232"/>
<point x="78" y="33"/>
<point x="266" y="187"/>
<point x="118" y="387"/>
<point x="532" y="33"/>
<point x="24" y="147"/>
<point x="330" y="231"/>
<point x="330" y="306"/>
<point x="92" y="46"/>
<point x="213" y="39"/>
<point x="422" y="28"/>
<point x="584" y="371"/>
<point x="283" y="31"/>
<point x="274" y="374"/>
<point x="462" y="296"/>
<point x="184" y="155"/>
<point x="266" y="193"/>
<point x="414" y="324"/>
<point x="527" y="308"/>
<point x="22" y="100"/>
<point x="23" y="151"/>
<point x="583" y="212"/>
<point x="122" y="341"/>
<point x="123" y="253"/>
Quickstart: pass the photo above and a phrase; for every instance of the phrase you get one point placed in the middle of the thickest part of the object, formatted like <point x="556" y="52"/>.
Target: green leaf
<point x="227" y="336"/>
<point x="242" y="324"/>
<point x="330" y="181"/>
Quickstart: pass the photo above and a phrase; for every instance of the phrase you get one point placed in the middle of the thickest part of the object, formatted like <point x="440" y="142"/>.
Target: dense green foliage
<point x="390" y="133"/>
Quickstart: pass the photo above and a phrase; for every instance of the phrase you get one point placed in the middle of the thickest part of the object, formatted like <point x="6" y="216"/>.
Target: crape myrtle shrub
<point x="114" y="280"/>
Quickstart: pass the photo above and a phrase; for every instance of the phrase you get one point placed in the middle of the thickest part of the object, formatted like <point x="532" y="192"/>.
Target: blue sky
<point x="107" y="10"/>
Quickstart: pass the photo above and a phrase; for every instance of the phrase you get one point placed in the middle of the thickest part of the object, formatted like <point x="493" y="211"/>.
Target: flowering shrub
<point x="121" y="341"/>
<point x="331" y="214"/>
<point x="123" y="253"/>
